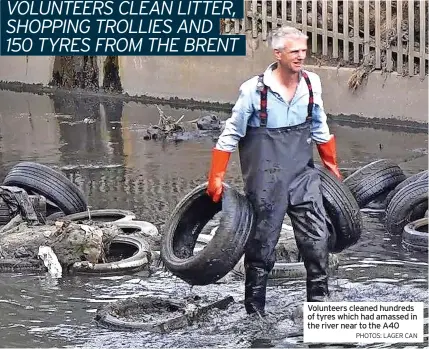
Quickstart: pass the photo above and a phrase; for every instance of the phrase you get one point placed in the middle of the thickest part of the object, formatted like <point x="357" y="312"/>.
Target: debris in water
<point x="51" y="261"/>
<point x="170" y="128"/>
<point x="70" y="242"/>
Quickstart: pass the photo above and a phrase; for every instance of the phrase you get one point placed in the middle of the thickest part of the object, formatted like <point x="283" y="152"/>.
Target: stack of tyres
<point x="130" y="251"/>
<point x="64" y="199"/>
<point x="406" y="213"/>
<point x="403" y="199"/>
<point x="374" y="181"/>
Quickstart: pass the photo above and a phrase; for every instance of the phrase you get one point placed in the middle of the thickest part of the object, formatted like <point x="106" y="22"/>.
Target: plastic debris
<point x="51" y="261"/>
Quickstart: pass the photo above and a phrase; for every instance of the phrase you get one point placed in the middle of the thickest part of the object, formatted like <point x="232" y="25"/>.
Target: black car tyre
<point x="343" y="212"/>
<point x="415" y="235"/>
<point x="137" y="261"/>
<point x="421" y="175"/>
<point x="225" y="248"/>
<point x="52" y="184"/>
<point x="103" y="215"/>
<point x="409" y="204"/>
<point x="373" y="179"/>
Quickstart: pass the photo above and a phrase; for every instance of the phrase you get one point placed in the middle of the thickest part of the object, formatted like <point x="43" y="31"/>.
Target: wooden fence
<point x="386" y="35"/>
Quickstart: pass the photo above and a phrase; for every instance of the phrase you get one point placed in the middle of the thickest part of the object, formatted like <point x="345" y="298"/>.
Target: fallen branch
<point x="167" y="124"/>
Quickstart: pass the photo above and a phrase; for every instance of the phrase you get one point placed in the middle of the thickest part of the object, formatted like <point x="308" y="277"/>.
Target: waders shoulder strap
<point x="264" y="89"/>
<point x="310" y="91"/>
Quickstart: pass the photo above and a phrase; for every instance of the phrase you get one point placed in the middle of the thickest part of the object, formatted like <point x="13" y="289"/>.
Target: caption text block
<point x="119" y="27"/>
<point x="363" y="322"/>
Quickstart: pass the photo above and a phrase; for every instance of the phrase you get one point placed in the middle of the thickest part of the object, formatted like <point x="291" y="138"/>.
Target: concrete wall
<point x="216" y="79"/>
<point x="25" y="69"/>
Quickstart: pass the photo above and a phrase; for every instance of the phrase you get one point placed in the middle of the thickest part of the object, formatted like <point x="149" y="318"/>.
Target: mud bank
<point x="419" y="124"/>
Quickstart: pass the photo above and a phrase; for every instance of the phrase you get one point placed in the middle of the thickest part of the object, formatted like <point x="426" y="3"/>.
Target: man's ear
<point x="277" y="54"/>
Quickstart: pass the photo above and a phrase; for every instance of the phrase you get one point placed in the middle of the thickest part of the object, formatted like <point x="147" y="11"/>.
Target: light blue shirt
<point x="280" y="113"/>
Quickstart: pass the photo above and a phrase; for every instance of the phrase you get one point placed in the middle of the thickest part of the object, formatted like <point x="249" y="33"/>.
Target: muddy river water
<point x="98" y="144"/>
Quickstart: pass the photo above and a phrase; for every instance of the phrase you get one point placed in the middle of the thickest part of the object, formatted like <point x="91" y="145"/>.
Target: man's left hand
<point x="328" y="155"/>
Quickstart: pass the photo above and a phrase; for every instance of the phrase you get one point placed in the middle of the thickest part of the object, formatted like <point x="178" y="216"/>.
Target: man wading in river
<point x="276" y="119"/>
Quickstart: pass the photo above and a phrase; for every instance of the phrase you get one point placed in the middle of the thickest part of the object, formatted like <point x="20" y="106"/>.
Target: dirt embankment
<point x="71" y="242"/>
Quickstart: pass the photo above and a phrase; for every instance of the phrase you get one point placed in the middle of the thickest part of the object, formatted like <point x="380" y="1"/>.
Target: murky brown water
<point x="98" y="143"/>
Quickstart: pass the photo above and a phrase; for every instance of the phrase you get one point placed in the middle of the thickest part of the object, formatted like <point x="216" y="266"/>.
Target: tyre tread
<point x="48" y="182"/>
<point x="374" y="179"/>
<point x="343" y="210"/>
<point x="400" y="208"/>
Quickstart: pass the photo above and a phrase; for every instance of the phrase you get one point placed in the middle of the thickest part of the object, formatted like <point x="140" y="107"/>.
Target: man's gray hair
<point x="278" y="36"/>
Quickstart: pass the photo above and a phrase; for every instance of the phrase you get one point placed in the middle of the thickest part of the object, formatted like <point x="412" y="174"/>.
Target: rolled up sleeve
<point x="236" y="124"/>
<point x="319" y="129"/>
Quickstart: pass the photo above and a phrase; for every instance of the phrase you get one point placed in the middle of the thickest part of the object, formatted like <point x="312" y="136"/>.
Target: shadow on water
<point x="98" y="144"/>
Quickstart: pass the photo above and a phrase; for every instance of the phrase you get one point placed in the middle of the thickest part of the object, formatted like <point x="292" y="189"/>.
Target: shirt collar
<point x="268" y="75"/>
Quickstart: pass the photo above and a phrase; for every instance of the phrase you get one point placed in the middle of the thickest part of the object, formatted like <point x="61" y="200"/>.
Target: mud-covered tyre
<point x="343" y="212"/>
<point x="110" y="315"/>
<point x="38" y="202"/>
<point x="155" y="314"/>
<point x="373" y="179"/>
<point x="409" y="204"/>
<point x="52" y="184"/>
<point x="226" y="247"/>
<point x="103" y="215"/>
<point x="137" y="261"/>
<point x="281" y="270"/>
<point x="286" y="269"/>
<point x="415" y="236"/>
<point x="421" y="175"/>
<point x="144" y="229"/>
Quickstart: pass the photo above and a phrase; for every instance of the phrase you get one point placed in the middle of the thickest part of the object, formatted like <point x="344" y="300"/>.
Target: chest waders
<point x="279" y="178"/>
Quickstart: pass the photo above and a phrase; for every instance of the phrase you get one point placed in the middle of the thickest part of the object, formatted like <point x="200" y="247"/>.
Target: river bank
<point x="195" y="105"/>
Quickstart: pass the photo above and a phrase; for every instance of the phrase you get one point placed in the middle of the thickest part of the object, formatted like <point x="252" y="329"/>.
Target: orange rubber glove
<point x="328" y="155"/>
<point x="218" y="167"/>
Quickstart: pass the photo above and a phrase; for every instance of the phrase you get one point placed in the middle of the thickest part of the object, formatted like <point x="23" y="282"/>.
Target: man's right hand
<point x="219" y="164"/>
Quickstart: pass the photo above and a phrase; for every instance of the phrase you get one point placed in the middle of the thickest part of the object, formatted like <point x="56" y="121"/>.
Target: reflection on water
<point x="98" y="143"/>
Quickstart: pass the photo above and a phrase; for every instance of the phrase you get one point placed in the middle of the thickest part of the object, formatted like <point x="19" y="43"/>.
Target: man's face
<point x="293" y="56"/>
